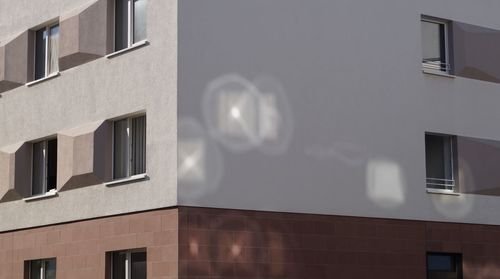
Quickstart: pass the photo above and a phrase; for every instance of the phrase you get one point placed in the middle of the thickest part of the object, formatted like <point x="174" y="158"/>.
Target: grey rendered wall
<point x="141" y="80"/>
<point x="351" y="107"/>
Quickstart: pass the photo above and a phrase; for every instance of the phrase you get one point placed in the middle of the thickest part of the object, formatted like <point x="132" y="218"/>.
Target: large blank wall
<point x="359" y="105"/>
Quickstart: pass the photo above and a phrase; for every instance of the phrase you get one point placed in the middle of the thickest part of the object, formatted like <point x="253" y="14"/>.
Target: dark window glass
<point x="41" y="37"/>
<point x="138" y="265"/>
<point x="439" y="159"/>
<point x="119" y="265"/>
<point x="444" y="266"/>
<point x="35" y="269"/>
<point x="438" y="156"/>
<point x="438" y="262"/>
<point x="132" y="261"/>
<point x="50" y="269"/>
<point x="434" y="45"/>
<point x="41" y="269"/>
<point x="121" y="149"/>
<point x="138" y="145"/>
<point x="44" y="176"/>
<point x="121" y="24"/>
<point x="51" y="164"/>
<point x="38" y="168"/>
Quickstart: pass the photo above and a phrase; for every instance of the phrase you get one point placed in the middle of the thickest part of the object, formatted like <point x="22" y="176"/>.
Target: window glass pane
<point x="38" y="168"/>
<point x="50" y="269"/>
<point x="40" y="54"/>
<point x="118" y="269"/>
<point x="138" y="145"/>
<point x="51" y="164"/>
<point x="440" y="263"/>
<point x="138" y="266"/>
<point x="54" y="49"/>
<point x="120" y="155"/>
<point x="140" y="13"/>
<point x="121" y="24"/>
<point x="35" y="269"/>
<point x="438" y="157"/>
<point x="433" y="43"/>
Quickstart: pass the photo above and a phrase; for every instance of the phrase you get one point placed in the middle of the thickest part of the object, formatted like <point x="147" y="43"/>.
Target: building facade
<point x="249" y="139"/>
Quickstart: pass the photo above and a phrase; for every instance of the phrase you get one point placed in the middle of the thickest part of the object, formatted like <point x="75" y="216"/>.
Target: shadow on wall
<point x="240" y="116"/>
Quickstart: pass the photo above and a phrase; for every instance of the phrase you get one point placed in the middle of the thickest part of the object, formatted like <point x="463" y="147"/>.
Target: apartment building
<point x="249" y="139"/>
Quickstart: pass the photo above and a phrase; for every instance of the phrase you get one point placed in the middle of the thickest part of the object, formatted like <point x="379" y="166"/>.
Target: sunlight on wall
<point x="244" y="115"/>
<point x="385" y="183"/>
<point x="199" y="162"/>
<point x="456" y="207"/>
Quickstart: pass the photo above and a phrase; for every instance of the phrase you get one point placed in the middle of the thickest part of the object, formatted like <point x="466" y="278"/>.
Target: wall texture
<point x="227" y="244"/>
<point x="322" y="107"/>
<point x="80" y="248"/>
<point x="140" y="80"/>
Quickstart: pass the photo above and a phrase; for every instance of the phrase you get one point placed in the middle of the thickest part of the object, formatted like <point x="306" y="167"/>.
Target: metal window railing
<point x="442" y="184"/>
<point x="436" y="65"/>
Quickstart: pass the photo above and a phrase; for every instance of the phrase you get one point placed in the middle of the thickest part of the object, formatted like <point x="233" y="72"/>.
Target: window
<point x="444" y="266"/>
<point x="46" y="51"/>
<point x="439" y="159"/>
<point x="128" y="264"/>
<point x="130" y="22"/>
<point x="44" y="168"/>
<point x="129" y="147"/>
<point x="435" y="54"/>
<point x="41" y="269"/>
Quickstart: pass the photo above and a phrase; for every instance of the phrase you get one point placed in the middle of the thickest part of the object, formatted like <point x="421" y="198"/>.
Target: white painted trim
<point x="49" y="194"/>
<point x="127" y="179"/>
<point x="437" y="73"/>
<point x="132" y="47"/>
<point x="442" y="192"/>
<point x="51" y="76"/>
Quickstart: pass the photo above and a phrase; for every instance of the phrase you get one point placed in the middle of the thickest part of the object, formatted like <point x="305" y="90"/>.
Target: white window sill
<point x="437" y="73"/>
<point x="132" y="47"/>
<point x="51" y="76"/>
<point x="127" y="179"/>
<point x="442" y="192"/>
<point x="49" y="194"/>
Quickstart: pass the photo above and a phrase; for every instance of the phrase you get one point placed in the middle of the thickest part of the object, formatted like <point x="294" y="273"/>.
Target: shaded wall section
<point x="476" y="53"/>
<point x="222" y="244"/>
<point x="478" y="161"/>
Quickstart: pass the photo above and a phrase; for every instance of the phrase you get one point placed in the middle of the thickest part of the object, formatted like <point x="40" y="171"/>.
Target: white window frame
<point x="130" y="27"/>
<point x="447" y="65"/>
<point x="47" y="52"/>
<point x="129" y="150"/>
<point x="42" y="267"/>
<point x="445" y="185"/>
<point x="128" y="260"/>
<point x="45" y="166"/>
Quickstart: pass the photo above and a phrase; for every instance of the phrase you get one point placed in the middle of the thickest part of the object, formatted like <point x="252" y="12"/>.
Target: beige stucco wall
<point x="141" y="80"/>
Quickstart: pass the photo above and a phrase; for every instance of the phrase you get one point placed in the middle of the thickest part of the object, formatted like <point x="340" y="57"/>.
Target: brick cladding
<point x="227" y="244"/>
<point x="80" y="247"/>
<point x="201" y="243"/>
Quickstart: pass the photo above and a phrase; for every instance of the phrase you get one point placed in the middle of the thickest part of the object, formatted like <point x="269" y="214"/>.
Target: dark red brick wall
<point x="80" y="247"/>
<point x="219" y="244"/>
<point x="200" y="243"/>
